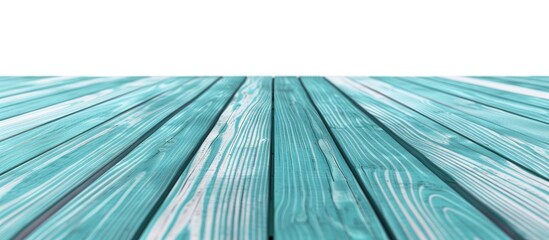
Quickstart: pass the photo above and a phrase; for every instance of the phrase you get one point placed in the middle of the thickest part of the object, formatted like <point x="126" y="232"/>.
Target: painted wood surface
<point x="30" y="101"/>
<point x="67" y="166"/>
<point x="399" y="184"/>
<point x="506" y="122"/>
<point x="308" y="164"/>
<point x="527" y="111"/>
<point x="522" y="95"/>
<point x="30" y="143"/>
<point x="526" y="152"/>
<point x="224" y="192"/>
<point x="515" y="199"/>
<point x="533" y="83"/>
<point x="282" y="158"/>
<point x="117" y="203"/>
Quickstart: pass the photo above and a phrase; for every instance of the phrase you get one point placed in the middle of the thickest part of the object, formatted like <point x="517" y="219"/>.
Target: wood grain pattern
<point x="506" y="122"/>
<point x="142" y="157"/>
<point x="61" y="169"/>
<point x="223" y="194"/>
<point x="30" y="101"/>
<point x="531" y="112"/>
<point x="509" y="92"/>
<point x="21" y="85"/>
<point x="115" y="205"/>
<point x="401" y="186"/>
<point x="532" y="83"/>
<point x="20" y="123"/>
<point x="527" y="152"/>
<point x="307" y="163"/>
<point x="516" y="199"/>
<point x="25" y="146"/>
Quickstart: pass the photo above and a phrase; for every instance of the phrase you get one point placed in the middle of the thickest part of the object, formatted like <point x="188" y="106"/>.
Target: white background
<point x="279" y="37"/>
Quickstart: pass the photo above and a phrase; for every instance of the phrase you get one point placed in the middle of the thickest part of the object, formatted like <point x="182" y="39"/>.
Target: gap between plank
<point x="75" y="191"/>
<point x="476" y="89"/>
<point x="182" y="168"/>
<point x="460" y="134"/>
<point x="77" y="111"/>
<point x="271" y="212"/>
<point x="473" y="100"/>
<point x="109" y="119"/>
<point x="376" y="209"/>
<point x="439" y="172"/>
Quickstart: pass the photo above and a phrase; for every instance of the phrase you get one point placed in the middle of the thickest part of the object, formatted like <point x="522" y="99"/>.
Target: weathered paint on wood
<point x="224" y="192"/>
<point x="522" y="150"/>
<point x="15" y="125"/>
<point x="30" y="143"/>
<point x="506" y="122"/>
<point x="21" y="85"/>
<point x="414" y="201"/>
<point x="308" y="164"/>
<point x="527" y="111"/>
<point x="117" y="203"/>
<point x="67" y="166"/>
<point x="523" y="82"/>
<point x="30" y="101"/>
<point x="316" y="158"/>
<point x="512" y="197"/>
<point x="509" y="92"/>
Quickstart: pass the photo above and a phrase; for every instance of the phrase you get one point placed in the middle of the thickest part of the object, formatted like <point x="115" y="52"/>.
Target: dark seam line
<point x="271" y="212"/>
<point x="75" y="191"/>
<point x="472" y="88"/>
<point x="77" y="111"/>
<point x="519" y="81"/>
<point x="473" y="100"/>
<point x="449" y="106"/>
<point x="56" y="84"/>
<point x="440" y="173"/>
<point x="521" y="166"/>
<point x="384" y="224"/>
<point x="533" y="85"/>
<point x="144" y="224"/>
<point x="101" y="87"/>
<point x="87" y="130"/>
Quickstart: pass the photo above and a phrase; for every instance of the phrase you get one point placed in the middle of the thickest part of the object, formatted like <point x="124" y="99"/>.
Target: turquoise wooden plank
<point x="102" y="157"/>
<point x="68" y="166"/>
<point x="24" y="122"/>
<point x="535" y="113"/>
<point x="24" y="84"/>
<point x="513" y="198"/>
<point x="315" y="193"/>
<point x="23" y="103"/>
<point x="527" y="152"/>
<point x="29" y="144"/>
<point x="19" y="82"/>
<point x="540" y="79"/>
<point x="117" y="203"/>
<point x="505" y="121"/>
<point x="520" y="81"/>
<point x="50" y="92"/>
<point x="509" y="92"/>
<point x="415" y="203"/>
<point x="223" y="193"/>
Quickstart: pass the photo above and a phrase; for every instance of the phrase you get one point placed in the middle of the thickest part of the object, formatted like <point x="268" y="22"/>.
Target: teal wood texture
<point x="330" y="204"/>
<point x="282" y="158"/>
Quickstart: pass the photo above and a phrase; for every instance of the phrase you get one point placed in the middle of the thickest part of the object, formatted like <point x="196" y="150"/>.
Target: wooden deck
<point x="284" y="157"/>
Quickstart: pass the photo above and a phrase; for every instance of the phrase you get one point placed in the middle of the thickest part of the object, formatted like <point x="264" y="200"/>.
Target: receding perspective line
<point x="67" y="198"/>
<point x="274" y="157"/>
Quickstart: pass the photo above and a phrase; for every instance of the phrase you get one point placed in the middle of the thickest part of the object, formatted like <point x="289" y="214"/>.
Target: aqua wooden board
<point x="136" y="157"/>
